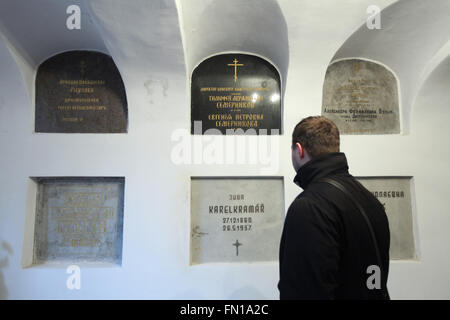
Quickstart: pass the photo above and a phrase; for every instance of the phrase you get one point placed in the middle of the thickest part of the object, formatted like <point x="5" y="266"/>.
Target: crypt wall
<point x="156" y="46"/>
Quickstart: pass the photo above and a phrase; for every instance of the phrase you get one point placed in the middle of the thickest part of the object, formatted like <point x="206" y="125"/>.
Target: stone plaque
<point x="236" y="219"/>
<point x="79" y="220"/>
<point x="235" y="91"/>
<point x="395" y="195"/>
<point x="361" y="97"/>
<point x="80" y="92"/>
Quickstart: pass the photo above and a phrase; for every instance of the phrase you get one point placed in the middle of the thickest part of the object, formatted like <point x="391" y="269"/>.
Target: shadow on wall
<point x="4" y="260"/>
<point x="252" y="26"/>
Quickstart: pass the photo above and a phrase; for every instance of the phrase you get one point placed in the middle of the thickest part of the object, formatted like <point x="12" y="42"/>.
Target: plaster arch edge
<point x="432" y="65"/>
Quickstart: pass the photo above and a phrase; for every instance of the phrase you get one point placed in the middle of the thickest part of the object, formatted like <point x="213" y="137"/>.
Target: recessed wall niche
<point x="80" y="92"/>
<point x="76" y="220"/>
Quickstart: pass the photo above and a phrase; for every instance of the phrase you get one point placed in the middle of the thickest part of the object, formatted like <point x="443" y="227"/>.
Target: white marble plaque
<point x="78" y="220"/>
<point x="236" y="219"/>
<point x="361" y="97"/>
<point x="395" y="194"/>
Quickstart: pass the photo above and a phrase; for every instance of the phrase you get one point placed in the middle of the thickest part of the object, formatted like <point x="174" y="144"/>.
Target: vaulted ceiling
<point x="171" y="37"/>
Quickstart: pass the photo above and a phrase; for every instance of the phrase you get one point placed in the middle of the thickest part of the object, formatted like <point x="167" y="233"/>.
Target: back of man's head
<point x="318" y="135"/>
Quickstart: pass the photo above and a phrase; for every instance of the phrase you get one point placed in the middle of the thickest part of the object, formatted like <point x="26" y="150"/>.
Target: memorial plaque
<point x="361" y="97"/>
<point x="80" y="92"/>
<point x="78" y="220"/>
<point x="235" y="91"/>
<point x="236" y="219"/>
<point x="395" y="195"/>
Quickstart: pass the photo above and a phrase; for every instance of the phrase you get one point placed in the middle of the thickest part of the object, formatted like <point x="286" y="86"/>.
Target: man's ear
<point x="300" y="150"/>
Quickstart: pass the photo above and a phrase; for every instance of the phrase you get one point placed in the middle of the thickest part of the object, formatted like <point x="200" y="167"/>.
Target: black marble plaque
<point x="80" y="92"/>
<point x="235" y="91"/>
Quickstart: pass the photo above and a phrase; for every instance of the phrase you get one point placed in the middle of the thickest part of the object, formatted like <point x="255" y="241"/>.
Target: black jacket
<point x="326" y="246"/>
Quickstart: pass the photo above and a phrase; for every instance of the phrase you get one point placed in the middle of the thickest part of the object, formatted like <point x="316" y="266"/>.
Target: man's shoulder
<point x="324" y="192"/>
<point x="320" y="201"/>
<point x="313" y="195"/>
<point x="304" y="199"/>
<point x="303" y="206"/>
<point x="307" y="213"/>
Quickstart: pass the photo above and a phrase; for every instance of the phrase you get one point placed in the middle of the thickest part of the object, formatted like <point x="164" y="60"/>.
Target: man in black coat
<point x="327" y="250"/>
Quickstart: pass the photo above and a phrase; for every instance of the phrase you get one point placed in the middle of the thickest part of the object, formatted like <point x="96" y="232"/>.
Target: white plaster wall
<point x="144" y="39"/>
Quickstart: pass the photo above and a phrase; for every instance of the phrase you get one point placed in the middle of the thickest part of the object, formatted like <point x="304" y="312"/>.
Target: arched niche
<point x="406" y="42"/>
<point x="80" y="92"/>
<point x="361" y="97"/>
<point x="235" y="93"/>
<point x="258" y="27"/>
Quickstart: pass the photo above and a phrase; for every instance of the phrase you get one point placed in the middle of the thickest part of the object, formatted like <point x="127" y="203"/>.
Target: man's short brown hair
<point x="318" y="135"/>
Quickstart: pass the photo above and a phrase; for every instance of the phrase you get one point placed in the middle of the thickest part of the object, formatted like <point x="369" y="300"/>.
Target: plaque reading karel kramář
<point x="80" y="92"/>
<point x="395" y="195"/>
<point x="235" y="91"/>
<point x="236" y="219"/>
<point x="79" y="219"/>
<point x="361" y="97"/>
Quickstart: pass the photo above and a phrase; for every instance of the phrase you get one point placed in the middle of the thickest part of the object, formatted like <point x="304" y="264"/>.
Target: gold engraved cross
<point x="235" y="65"/>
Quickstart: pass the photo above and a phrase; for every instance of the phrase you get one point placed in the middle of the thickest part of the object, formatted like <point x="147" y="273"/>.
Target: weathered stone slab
<point x="361" y="97"/>
<point x="236" y="219"/>
<point x="395" y="194"/>
<point x="79" y="220"/>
